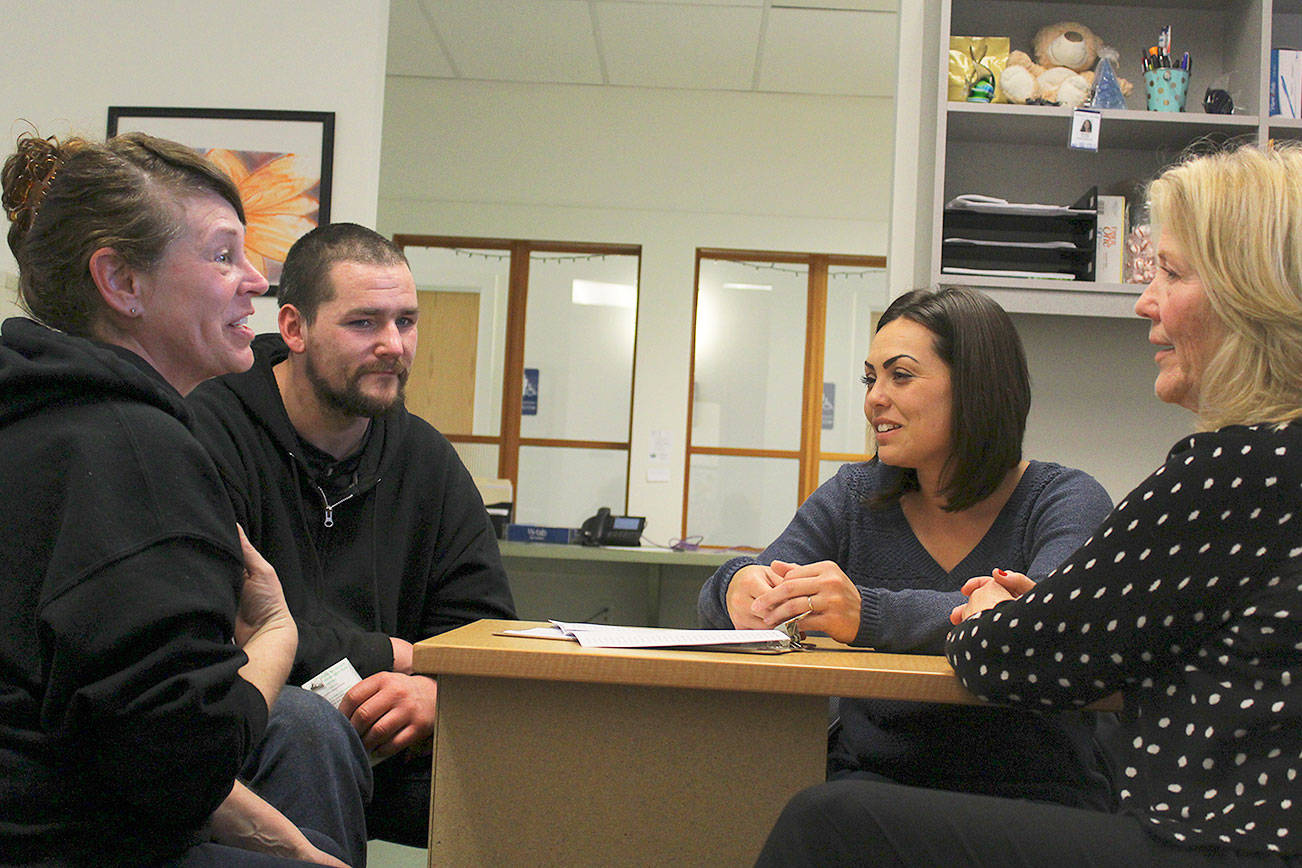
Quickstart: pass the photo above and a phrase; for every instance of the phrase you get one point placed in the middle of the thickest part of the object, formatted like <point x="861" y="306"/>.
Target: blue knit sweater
<point x="907" y="598"/>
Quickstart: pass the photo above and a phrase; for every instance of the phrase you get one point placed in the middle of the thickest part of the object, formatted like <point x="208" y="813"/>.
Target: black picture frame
<point x="247" y="142"/>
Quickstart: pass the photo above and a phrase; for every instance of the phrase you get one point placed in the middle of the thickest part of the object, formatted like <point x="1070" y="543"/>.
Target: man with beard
<point x="371" y="520"/>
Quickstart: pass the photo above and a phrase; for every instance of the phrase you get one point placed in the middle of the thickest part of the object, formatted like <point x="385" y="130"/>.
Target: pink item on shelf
<point x="1141" y="260"/>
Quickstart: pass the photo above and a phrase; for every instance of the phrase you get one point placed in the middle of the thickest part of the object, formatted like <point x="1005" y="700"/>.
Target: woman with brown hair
<point x="876" y="556"/>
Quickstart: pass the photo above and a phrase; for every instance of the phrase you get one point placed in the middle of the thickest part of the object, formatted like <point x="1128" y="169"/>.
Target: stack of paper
<point x="983" y="204"/>
<point x="612" y="636"/>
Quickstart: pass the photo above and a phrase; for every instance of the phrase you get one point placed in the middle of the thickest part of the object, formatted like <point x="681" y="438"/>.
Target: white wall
<point x="670" y="170"/>
<point x="677" y="170"/>
<point x="66" y="61"/>
<point x="1092" y="403"/>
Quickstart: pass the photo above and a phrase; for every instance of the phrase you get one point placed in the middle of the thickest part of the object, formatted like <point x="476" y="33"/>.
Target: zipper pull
<point x="329" y="507"/>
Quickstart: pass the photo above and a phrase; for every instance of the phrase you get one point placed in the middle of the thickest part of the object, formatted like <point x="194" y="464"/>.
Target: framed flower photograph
<point x="281" y="161"/>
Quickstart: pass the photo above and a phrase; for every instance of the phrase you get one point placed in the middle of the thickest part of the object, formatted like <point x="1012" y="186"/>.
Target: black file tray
<point x="1076" y="228"/>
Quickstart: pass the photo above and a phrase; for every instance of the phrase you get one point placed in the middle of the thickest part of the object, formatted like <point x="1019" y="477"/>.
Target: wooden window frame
<point x="809" y="454"/>
<point x="508" y="439"/>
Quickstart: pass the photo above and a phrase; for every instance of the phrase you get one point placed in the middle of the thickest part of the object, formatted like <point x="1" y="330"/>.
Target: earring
<point x="133" y="311"/>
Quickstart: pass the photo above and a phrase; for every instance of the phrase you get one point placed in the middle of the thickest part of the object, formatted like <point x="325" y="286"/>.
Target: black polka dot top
<point x="1187" y="599"/>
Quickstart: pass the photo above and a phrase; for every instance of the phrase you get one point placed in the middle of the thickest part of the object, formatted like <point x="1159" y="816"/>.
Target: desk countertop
<point x="830" y="669"/>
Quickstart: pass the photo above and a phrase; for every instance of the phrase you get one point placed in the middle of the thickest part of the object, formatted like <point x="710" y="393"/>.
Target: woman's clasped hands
<point x="762" y="597"/>
<point x="986" y="592"/>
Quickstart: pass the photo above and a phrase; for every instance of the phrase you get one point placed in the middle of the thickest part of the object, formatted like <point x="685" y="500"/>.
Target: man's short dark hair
<point x="304" y="279"/>
<point x="991" y="389"/>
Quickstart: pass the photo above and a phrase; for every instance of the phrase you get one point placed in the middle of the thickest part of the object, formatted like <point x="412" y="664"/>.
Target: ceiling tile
<point x="413" y="47"/>
<point x="833" y="52"/>
<point x="659" y="45"/>
<point x="537" y="41"/>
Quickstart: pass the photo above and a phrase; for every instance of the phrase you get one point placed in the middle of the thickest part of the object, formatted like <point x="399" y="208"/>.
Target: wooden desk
<point x="547" y="753"/>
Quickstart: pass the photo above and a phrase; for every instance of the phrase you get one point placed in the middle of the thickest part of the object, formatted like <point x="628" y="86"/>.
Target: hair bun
<point x="28" y="173"/>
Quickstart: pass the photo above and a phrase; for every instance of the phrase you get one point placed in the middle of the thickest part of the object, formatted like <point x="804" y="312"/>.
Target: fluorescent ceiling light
<point x="598" y="292"/>
<point x="763" y="287"/>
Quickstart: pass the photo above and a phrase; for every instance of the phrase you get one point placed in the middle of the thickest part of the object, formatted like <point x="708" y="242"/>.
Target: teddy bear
<point x="1063" y="69"/>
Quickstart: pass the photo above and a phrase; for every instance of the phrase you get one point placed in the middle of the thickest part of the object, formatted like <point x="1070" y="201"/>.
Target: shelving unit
<point x="1020" y="153"/>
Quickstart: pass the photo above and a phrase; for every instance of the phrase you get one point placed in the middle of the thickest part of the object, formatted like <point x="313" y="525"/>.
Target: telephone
<point x="604" y="529"/>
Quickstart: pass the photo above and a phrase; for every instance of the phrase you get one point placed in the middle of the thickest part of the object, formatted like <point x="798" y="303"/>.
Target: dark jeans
<point x="857" y="822"/>
<point x="311" y="765"/>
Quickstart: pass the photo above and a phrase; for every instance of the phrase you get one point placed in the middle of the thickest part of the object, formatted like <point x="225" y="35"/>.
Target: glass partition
<point x="480" y="458"/>
<point x="778" y="348"/>
<point x="560" y="487"/>
<point x="456" y="379"/>
<point x="750" y="346"/>
<point x="855" y="298"/>
<point x="578" y="349"/>
<point x="739" y="500"/>
<point x="525" y="362"/>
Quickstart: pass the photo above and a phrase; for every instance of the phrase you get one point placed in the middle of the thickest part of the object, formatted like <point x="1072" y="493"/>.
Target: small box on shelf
<point x="1285" y="83"/>
<point x="1108" y="239"/>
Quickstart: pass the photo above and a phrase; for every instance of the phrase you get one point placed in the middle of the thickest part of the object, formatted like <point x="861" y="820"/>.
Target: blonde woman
<point x="1187" y="600"/>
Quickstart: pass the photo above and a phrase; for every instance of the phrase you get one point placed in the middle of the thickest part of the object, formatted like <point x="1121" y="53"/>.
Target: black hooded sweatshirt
<point x="123" y="721"/>
<point x="405" y="550"/>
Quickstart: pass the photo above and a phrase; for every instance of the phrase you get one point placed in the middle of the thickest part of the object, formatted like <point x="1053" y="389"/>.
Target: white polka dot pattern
<point x="1188" y="600"/>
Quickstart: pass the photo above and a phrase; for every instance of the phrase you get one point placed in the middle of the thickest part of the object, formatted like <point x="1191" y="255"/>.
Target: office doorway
<point x="441" y="388"/>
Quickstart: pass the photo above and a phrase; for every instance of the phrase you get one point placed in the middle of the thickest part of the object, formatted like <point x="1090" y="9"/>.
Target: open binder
<point x="786" y="637"/>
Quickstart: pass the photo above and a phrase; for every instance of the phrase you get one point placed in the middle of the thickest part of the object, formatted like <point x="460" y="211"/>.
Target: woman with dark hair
<point x="876" y="556"/>
<point x="1187" y="600"/>
<point x="143" y="714"/>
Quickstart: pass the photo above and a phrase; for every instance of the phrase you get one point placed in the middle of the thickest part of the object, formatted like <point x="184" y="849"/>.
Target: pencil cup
<point x="1167" y="89"/>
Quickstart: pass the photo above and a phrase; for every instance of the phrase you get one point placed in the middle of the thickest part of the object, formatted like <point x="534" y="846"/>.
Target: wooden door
<point x="441" y="388"/>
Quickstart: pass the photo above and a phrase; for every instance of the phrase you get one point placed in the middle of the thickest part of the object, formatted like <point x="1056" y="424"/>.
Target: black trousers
<point x="399" y="809"/>
<point x="857" y="822"/>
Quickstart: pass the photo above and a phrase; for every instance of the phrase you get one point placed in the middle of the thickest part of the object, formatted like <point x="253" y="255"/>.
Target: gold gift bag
<point x="973" y="59"/>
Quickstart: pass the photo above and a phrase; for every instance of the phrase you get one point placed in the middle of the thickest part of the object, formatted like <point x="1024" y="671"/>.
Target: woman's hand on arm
<point x="1015" y="583"/>
<point x="263" y="626"/>
<point x="986" y="592"/>
<point x="746" y="586"/>
<point x="246" y="821"/>
<point x="821" y="591"/>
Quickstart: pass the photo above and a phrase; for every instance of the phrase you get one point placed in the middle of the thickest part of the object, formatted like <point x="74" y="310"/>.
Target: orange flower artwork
<point x="280" y="202"/>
